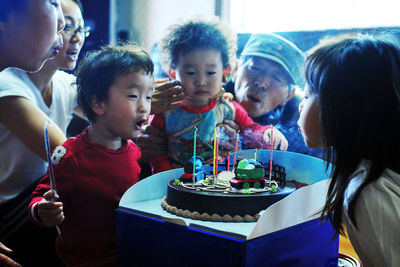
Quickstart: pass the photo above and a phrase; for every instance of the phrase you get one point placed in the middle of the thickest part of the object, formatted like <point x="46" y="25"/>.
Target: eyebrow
<point x="193" y="65"/>
<point x="132" y="85"/>
<point x="73" y="20"/>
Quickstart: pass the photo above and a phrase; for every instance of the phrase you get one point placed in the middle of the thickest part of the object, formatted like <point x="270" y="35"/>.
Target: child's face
<point x="309" y="120"/>
<point x="200" y="72"/>
<point x="128" y="104"/>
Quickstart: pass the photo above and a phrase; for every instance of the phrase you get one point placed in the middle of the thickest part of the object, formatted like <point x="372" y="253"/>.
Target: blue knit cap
<point x="279" y="50"/>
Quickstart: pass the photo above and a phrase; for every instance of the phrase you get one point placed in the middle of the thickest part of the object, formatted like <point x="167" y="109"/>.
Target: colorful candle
<point x="272" y="148"/>
<point x="215" y="145"/>
<point x="216" y="152"/>
<point x="255" y="155"/>
<point x="227" y="167"/>
<point x="194" y="154"/>
<point x="236" y="148"/>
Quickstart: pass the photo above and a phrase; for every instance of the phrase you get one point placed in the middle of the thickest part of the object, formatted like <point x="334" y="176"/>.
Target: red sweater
<point x="90" y="180"/>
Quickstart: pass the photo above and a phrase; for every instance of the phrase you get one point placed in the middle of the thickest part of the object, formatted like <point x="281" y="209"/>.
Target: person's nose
<point x="301" y="105"/>
<point x="60" y="19"/>
<point x="262" y="82"/>
<point x="201" y="80"/>
<point x="78" y="37"/>
<point x="143" y="107"/>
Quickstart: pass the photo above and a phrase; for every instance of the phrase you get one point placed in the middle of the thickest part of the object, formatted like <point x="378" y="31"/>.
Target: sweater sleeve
<point x="252" y="132"/>
<point x="37" y="196"/>
<point x="161" y="162"/>
<point x="65" y="183"/>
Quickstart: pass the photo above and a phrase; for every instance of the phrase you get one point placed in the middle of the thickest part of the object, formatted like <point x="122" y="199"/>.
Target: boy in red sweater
<point x="94" y="169"/>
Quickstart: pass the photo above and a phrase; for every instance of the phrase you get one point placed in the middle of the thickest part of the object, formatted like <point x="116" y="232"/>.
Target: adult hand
<point x="167" y="95"/>
<point x="50" y="212"/>
<point x="228" y="145"/>
<point x="4" y="259"/>
<point x="152" y="142"/>
<point x="278" y="139"/>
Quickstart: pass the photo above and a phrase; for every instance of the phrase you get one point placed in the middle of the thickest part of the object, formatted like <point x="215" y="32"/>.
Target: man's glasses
<point x="71" y="31"/>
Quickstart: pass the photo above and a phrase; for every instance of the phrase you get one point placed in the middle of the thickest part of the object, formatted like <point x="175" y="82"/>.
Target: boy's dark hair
<point x="98" y="70"/>
<point x="9" y="6"/>
<point x="198" y="33"/>
<point x="357" y="81"/>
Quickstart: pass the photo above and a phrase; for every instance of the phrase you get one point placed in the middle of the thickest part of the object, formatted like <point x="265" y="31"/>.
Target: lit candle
<point x="236" y="148"/>
<point x="272" y="149"/>
<point x="215" y="145"/>
<point x="216" y="152"/>
<point x="227" y="167"/>
<point x="194" y="154"/>
<point x="255" y="155"/>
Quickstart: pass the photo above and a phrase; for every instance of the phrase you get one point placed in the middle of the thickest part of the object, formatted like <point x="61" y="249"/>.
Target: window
<point x="293" y="15"/>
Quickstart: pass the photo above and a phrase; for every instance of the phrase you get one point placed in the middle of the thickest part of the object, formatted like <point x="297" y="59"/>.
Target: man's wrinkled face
<point x="261" y="85"/>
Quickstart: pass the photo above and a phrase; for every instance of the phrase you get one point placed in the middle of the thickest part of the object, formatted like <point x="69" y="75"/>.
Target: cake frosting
<point x="229" y="196"/>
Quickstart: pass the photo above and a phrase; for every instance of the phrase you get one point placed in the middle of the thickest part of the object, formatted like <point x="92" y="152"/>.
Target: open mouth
<point x="139" y="124"/>
<point x="72" y="54"/>
<point x="254" y="98"/>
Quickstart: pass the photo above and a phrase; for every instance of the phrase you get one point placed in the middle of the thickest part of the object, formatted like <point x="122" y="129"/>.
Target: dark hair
<point x="356" y="79"/>
<point x="198" y="33"/>
<point x="98" y="70"/>
<point x="9" y="6"/>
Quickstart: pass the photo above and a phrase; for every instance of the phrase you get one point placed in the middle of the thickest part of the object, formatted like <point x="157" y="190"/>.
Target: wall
<point x="145" y="21"/>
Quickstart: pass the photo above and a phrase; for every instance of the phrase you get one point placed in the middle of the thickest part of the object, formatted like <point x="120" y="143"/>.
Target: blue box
<point x="148" y="235"/>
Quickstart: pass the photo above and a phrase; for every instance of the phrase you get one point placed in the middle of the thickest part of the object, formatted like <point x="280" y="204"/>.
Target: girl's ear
<point x="171" y="74"/>
<point x="225" y="74"/>
<point x="97" y="106"/>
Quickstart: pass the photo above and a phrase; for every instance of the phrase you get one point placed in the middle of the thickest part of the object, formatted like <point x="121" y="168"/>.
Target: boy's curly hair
<point x="198" y="33"/>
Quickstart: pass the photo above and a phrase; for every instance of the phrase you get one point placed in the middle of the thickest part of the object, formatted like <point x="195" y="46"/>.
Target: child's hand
<point x="278" y="139"/>
<point x="51" y="213"/>
<point x="152" y="142"/>
<point x="167" y="95"/>
<point x="228" y="145"/>
<point x="229" y="96"/>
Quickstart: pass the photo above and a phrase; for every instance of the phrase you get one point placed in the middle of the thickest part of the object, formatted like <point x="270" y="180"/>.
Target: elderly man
<point x="267" y="82"/>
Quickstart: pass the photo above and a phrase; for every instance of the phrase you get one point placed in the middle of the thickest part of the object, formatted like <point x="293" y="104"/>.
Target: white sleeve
<point x="377" y="214"/>
<point x="13" y="83"/>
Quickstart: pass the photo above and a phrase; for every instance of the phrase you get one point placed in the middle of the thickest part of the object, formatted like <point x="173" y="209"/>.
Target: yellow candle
<point x="255" y="155"/>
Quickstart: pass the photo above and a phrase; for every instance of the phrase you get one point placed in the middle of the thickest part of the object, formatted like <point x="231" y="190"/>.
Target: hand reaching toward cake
<point x="151" y="142"/>
<point x="228" y="145"/>
<point x="278" y="139"/>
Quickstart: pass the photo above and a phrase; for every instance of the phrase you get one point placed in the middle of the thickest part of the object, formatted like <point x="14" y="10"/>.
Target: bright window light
<point x="294" y="15"/>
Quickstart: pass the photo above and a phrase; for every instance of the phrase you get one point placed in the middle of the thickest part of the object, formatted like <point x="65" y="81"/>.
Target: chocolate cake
<point x="240" y="199"/>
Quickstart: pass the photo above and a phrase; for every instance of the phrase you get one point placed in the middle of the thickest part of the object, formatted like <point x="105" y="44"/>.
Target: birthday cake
<point x="226" y="196"/>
